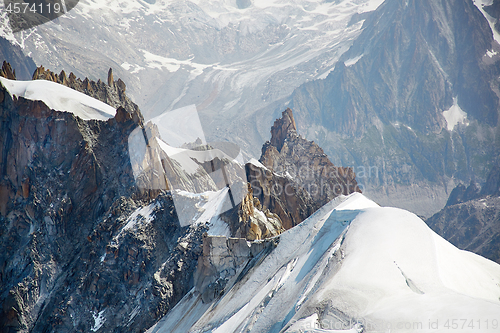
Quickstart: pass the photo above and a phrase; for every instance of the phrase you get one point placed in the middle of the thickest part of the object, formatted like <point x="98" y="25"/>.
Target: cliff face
<point x="284" y="197"/>
<point x="383" y="106"/>
<point x="83" y="247"/>
<point x="251" y="220"/>
<point x="471" y="218"/>
<point x="296" y="176"/>
<point x="88" y="242"/>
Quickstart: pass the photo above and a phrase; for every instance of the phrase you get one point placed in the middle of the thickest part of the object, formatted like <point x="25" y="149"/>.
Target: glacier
<point x="232" y="61"/>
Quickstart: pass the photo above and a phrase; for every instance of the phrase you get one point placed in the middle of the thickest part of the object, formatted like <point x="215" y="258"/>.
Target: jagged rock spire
<point x="282" y="127"/>
<point x="110" y="77"/>
<point x="7" y="72"/>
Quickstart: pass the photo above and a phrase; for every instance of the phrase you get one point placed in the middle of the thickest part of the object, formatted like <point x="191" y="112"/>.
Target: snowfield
<point x="353" y="265"/>
<point x="60" y="98"/>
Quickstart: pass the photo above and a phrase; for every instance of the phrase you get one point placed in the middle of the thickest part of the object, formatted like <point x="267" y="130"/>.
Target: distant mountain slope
<point x="417" y="85"/>
<point x="416" y="96"/>
<point x="471" y="218"/>
<point x="230" y="58"/>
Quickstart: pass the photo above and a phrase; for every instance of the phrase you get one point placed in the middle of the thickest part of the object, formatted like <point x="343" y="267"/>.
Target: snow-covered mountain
<point x="92" y="235"/>
<point x="61" y="98"/>
<point x="128" y="260"/>
<point x="352" y="266"/>
<point x="346" y="69"/>
<point x="230" y="58"/>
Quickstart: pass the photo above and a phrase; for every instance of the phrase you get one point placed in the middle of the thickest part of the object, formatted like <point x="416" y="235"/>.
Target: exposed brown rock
<point x="280" y="195"/>
<point x="7" y="71"/>
<point x="121" y="85"/>
<point x="122" y="115"/>
<point x="62" y="78"/>
<point x="26" y="188"/>
<point x="256" y="221"/>
<point x="297" y="177"/>
<point x="110" y="77"/>
<point x="282" y="128"/>
<point x="306" y="163"/>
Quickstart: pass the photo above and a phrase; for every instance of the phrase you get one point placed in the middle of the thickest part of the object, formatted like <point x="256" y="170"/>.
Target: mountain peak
<point x="7" y="72"/>
<point x="303" y="163"/>
<point x="282" y="127"/>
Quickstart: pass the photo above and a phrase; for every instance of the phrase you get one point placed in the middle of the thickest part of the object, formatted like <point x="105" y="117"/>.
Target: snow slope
<point x="454" y="115"/>
<point x="60" y="98"/>
<point x="353" y="265"/>
<point x="206" y="205"/>
<point x="206" y="210"/>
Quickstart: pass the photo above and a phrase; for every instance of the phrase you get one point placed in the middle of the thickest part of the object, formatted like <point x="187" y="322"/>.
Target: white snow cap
<point x="454" y="116"/>
<point x="353" y="263"/>
<point x="60" y="98"/>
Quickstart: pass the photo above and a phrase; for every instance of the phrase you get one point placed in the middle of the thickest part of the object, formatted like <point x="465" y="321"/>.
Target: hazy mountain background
<point x="371" y="83"/>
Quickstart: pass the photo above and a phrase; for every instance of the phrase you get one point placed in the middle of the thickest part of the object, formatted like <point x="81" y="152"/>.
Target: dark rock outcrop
<point x="462" y="194"/>
<point x="471" y="218"/>
<point x="82" y="246"/>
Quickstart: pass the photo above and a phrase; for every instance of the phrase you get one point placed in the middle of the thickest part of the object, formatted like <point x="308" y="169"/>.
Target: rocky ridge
<point x="84" y="248"/>
<point x="88" y="245"/>
<point x="383" y="105"/>
<point x="112" y="93"/>
<point x="471" y="218"/>
<point x="296" y="177"/>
